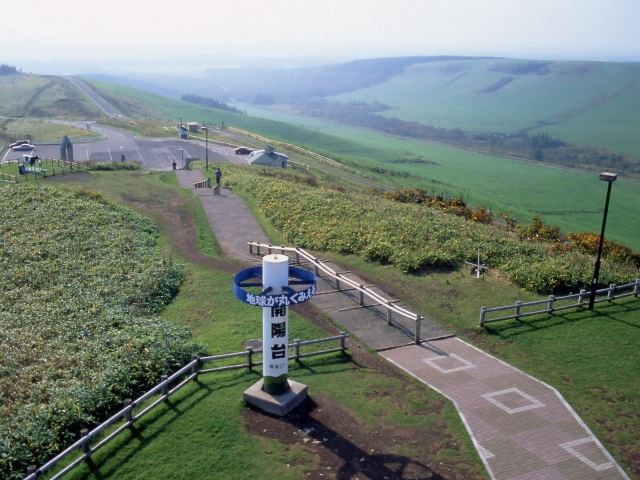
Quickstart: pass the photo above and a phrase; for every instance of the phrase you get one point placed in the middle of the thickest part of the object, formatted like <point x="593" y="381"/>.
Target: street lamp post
<point x="609" y="178"/>
<point x="206" y="147"/>
<point x="182" y="157"/>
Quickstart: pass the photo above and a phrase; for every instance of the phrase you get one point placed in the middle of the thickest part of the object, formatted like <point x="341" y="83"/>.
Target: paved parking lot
<point x="153" y="153"/>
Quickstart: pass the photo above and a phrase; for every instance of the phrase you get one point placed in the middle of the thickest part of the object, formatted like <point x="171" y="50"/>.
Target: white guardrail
<point x="340" y="279"/>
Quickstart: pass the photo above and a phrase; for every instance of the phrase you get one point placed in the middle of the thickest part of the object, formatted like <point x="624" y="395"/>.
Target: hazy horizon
<point x="119" y="36"/>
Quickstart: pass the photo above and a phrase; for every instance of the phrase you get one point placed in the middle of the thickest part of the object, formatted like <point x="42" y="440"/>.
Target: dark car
<point x="19" y="142"/>
<point x="243" y="151"/>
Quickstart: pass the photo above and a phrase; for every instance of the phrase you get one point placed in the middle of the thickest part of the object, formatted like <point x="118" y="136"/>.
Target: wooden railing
<point x="203" y="184"/>
<point x="166" y="388"/>
<point x="5" y="177"/>
<point x="344" y="283"/>
<point x="520" y="309"/>
<point x="57" y="167"/>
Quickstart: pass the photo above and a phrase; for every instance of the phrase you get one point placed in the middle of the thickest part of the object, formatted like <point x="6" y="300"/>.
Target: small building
<point x="192" y="127"/>
<point x="269" y="157"/>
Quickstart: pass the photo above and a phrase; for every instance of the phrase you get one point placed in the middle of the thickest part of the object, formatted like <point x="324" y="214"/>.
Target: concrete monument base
<point x="276" y="404"/>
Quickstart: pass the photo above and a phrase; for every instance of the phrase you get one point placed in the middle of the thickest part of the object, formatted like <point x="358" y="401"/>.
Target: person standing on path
<point x="218" y="176"/>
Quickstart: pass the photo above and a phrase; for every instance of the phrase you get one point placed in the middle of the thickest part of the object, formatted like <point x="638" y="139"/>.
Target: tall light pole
<point x="182" y="157"/>
<point x="609" y="178"/>
<point x="206" y="147"/>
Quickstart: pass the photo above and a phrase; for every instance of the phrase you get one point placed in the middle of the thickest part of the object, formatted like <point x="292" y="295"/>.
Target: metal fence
<point x="344" y="283"/>
<point x="166" y="388"/>
<point x="554" y="304"/>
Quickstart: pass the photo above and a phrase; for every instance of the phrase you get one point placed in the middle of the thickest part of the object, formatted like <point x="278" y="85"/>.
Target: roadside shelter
<point x="268" y="156"/>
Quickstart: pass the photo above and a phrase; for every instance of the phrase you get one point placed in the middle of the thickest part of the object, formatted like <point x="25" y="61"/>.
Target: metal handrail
<point x="339" y="277"/>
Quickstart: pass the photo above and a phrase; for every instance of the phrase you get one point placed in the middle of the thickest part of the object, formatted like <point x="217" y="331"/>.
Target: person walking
<point x="218" y="176"/>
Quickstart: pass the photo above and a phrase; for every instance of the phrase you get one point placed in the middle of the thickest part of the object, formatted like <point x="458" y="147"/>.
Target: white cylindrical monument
<point x="274" y="393"/>
<point x="275" y="325"/>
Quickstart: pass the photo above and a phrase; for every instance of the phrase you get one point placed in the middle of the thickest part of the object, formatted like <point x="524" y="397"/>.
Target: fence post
<point x="127" y="414"/>
<point x="581" y="297"/>
<point x="550" y="303"/>
<point x="165" y="387"/>
<point x="195" y="368"/>
<point x="342" y="347"/>
<point x="297" y="258"/>
<point x="250" y="358"/>
<point x="296" y="349"/>
<point x="483" y="310"/>
<point x="517" y="310"/>
<point x="611" y="292"/>
<point x="389" y="314"/>
<point x="85" y="443"/>
<point x="636" y="288"/>
<point x="361" y="296"/>
<point x="337" y="281"/>
<point x="418" y="327"/>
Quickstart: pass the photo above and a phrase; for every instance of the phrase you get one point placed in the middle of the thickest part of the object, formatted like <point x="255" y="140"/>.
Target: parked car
<point x="24" y="146"/>
<point x="19" y="142"/>
<point x="243" y="151"/>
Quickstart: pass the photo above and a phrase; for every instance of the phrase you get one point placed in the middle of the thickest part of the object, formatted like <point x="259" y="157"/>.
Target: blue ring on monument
<point x="297" y="276"/>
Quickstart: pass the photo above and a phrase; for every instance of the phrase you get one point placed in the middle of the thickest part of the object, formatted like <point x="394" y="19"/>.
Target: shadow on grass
<point x="333" y="364"/>
<point x="353" y="460"/>
<point x="154" y="424"/>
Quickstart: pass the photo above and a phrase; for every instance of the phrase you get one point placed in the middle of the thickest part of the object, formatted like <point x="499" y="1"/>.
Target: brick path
<point x="522" y="428"/>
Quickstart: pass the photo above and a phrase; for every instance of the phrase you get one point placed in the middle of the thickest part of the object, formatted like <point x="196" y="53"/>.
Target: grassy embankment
<point x="26" y="95"/>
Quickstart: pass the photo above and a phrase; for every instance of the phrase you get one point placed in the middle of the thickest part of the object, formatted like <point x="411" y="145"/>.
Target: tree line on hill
<point x="538" y="147"/>
<point x="8" y="70"/>
<point x="211" y="102"/>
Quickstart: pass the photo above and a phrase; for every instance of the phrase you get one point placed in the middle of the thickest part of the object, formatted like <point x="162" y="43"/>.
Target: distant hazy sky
<point x="342" y="29"/>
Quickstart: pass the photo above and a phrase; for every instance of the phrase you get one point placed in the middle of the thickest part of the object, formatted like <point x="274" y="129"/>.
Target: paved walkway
<point x="522" y="428"/>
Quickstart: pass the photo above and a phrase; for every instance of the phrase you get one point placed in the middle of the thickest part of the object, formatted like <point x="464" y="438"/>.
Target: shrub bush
<point x="415" y="237"/>
<point x="81" y="282"/>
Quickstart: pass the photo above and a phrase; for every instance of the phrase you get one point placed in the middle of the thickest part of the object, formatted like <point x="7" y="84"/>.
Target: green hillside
<point x="26" y="95"/>
<point x="568" y="199"/>
<point x="581" y="102"/>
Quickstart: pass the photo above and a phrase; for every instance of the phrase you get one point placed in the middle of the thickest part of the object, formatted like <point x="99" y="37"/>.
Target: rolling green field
<point x="573" y="201"/>
<point x="593" y="103"/>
